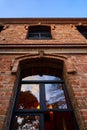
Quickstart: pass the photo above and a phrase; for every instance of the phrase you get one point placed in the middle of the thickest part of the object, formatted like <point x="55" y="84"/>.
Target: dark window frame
<point x="39" y="32"/>
<point x="42" y="110"/>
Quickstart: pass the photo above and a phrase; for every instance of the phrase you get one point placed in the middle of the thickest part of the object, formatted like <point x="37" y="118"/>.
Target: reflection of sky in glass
<point x="33" y="88"/>
<point x="43" y="77"/>
<point x="54" y="92"/>
<point x="55" y="96"/>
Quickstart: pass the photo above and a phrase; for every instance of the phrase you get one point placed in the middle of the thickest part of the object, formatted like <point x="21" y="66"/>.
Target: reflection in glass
<point x="29" y="97"/>
<point x="38" y="77"/>
<point x="59" y="121"/>
<point x="55" y="97"/>
<point x="26" y="122"/>
<point x="49" y="121"/>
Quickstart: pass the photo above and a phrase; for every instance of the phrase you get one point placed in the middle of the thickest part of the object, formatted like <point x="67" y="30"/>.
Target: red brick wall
<point x="7" y="81"/>
<point x="16" y="33"/>
<point x="77" y="87"/>
<point x="75" y="70"/>
<point x="76" y="83"/>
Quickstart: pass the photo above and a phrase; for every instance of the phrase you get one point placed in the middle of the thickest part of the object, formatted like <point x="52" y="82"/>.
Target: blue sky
<point x="43" y="8"/>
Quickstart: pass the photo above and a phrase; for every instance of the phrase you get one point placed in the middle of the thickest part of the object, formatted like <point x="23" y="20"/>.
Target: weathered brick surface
<point x="75" y="70"/>
<point x="61" y="34"/>
<point x="6" y="87"/>
<point x="78" y="88"/>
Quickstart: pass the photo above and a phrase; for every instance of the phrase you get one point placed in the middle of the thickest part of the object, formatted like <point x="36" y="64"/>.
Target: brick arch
<point x="40" y="27"/>
<point x="39" y="24"/>
<point x="41" y="66"/>
<point x="42" y="63"/>
<point x="39" y="63"/>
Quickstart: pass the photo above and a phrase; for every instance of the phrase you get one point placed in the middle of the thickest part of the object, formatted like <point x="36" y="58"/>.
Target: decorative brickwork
<point x="68" y="46"/>
<point x="61" y="33"/>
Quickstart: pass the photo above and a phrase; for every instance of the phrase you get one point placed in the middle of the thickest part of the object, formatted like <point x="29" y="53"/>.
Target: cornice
<point x="60" y="49"/>
<point x="75" y="45"/>
<point x="43" y="20"/>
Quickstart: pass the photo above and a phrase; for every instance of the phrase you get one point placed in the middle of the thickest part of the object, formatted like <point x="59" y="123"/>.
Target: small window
<point x="39" y="32"/>
<point x="83" y="30"/>
<point x="1" y="28"/>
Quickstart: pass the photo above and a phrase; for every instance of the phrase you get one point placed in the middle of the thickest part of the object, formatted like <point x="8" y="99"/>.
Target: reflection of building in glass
<point x="33" y="88"/>
<point x="27" y="100"/>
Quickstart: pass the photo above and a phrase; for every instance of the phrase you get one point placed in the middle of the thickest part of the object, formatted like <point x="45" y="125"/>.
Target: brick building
<point x="43" y="73"/>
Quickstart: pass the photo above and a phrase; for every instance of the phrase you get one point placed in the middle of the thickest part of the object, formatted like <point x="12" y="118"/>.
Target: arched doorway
<point x="42" y="100"/>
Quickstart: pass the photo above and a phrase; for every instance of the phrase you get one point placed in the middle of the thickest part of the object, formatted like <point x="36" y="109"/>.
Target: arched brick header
<point x="44" y="60"/>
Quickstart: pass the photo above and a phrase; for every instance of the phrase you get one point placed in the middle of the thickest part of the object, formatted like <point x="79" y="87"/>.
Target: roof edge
<point x="43" y="20"/>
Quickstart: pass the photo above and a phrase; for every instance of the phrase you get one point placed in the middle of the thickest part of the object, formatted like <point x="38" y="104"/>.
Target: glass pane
<point x="59" y="121"/>
<point x="29" y="97"/>
<point x="45" y="35"/>
<point x="38" y="77"/>
<point x="53" y="121"/>
<point x="55" y="97"/>
<point x="26" y="122"/>
<point x="49" y="121"/>
<point x="34" y="35"/>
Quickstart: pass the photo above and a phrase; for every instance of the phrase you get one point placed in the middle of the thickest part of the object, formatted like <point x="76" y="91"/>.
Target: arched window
<point x="42" y="101"/>
<point x="39" y="32"/>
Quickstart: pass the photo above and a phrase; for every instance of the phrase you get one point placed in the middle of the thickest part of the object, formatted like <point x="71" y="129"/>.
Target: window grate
<point x="39" y="35"/>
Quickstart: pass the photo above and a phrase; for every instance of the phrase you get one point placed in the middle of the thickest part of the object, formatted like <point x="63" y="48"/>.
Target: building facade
<point x="43" y="73"/>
